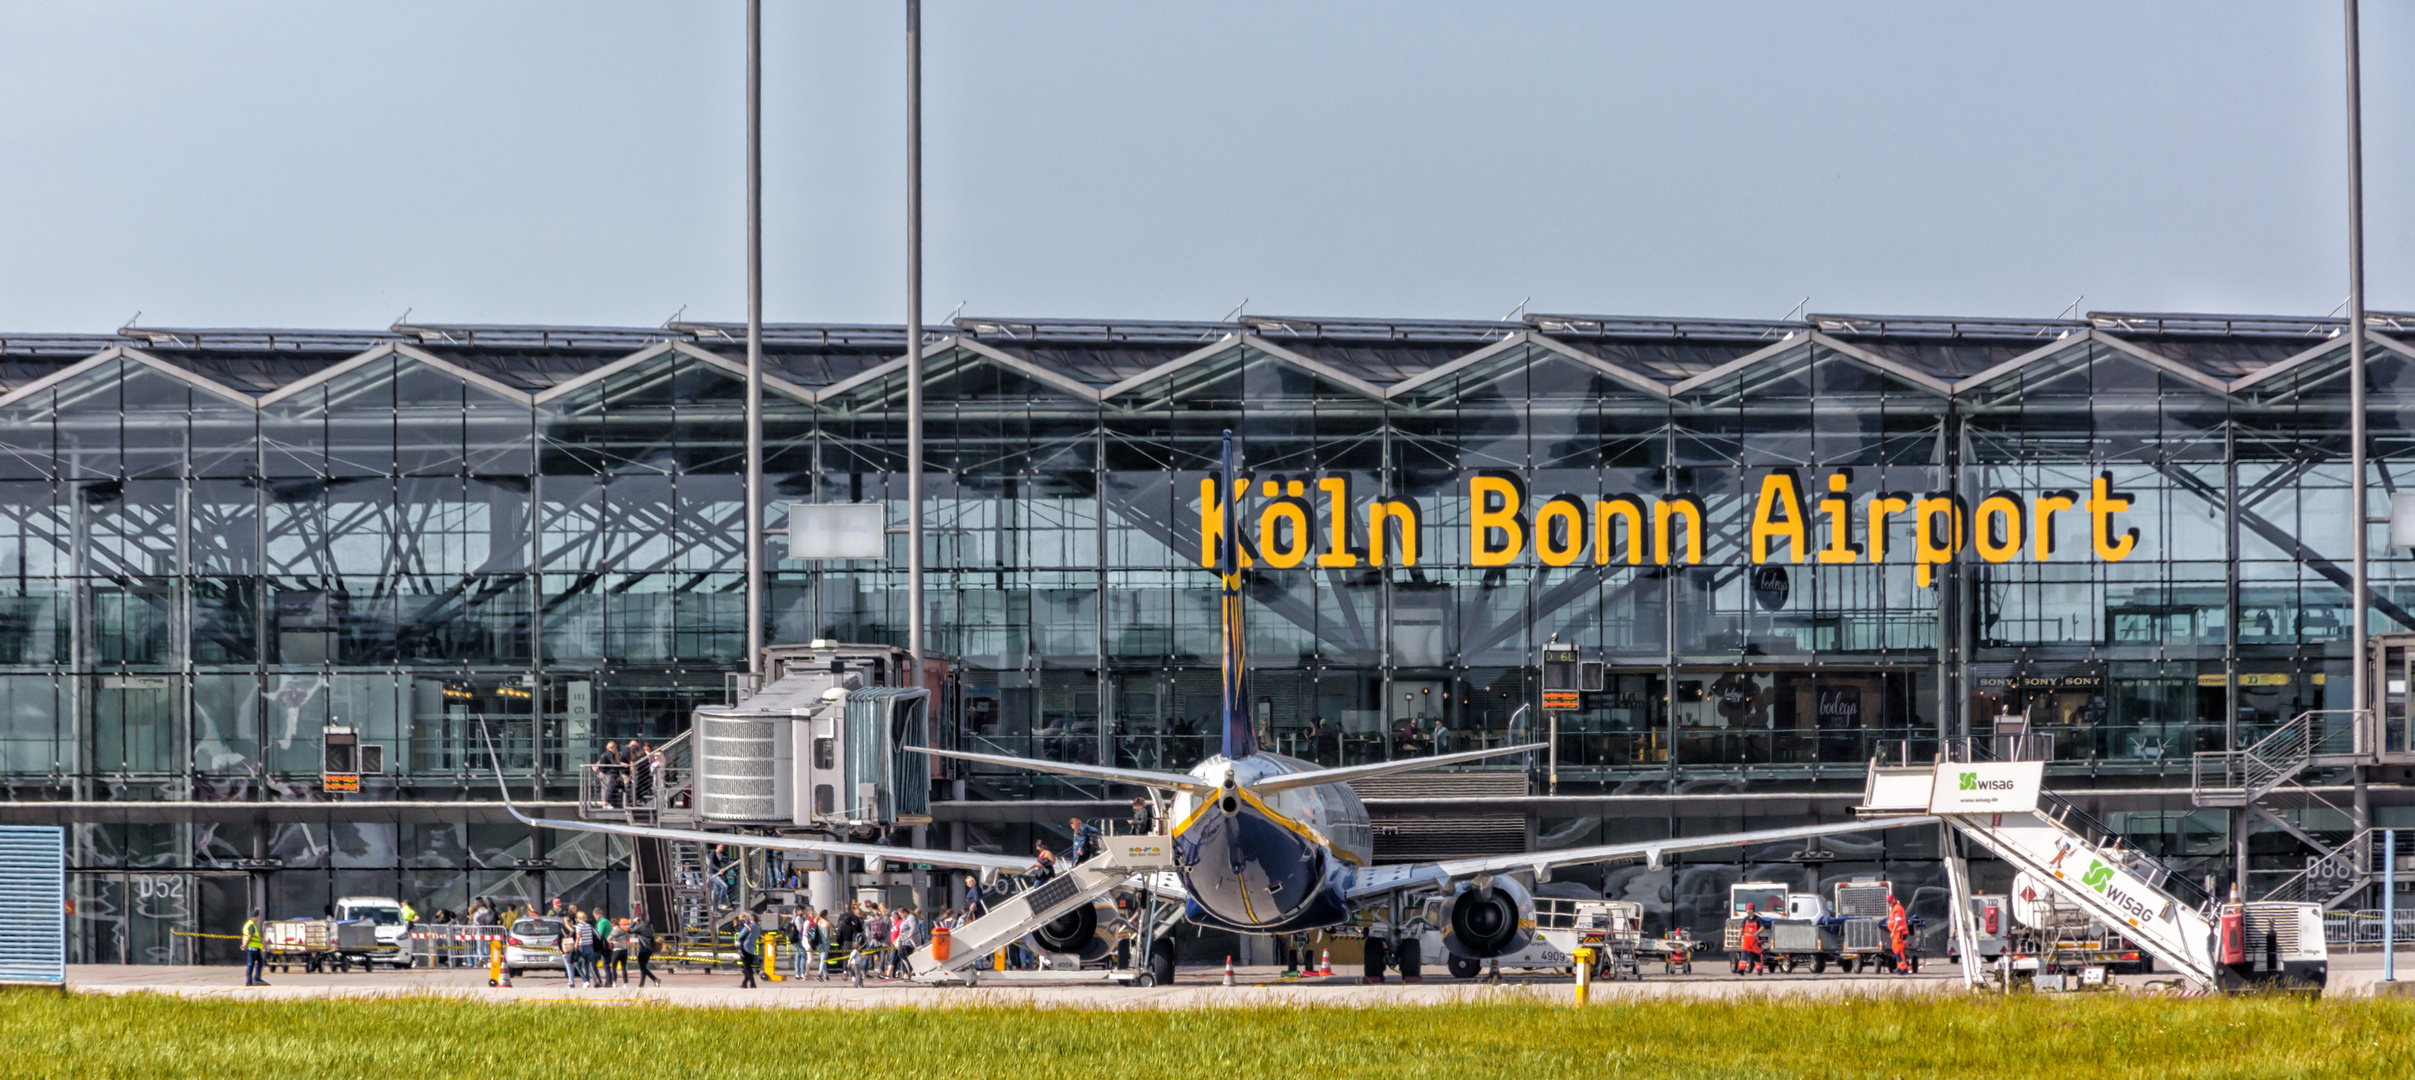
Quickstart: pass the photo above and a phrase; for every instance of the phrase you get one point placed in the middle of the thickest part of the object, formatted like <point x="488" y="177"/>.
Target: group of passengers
<point x="596" y="948"/>
<point x="628" y="769"/>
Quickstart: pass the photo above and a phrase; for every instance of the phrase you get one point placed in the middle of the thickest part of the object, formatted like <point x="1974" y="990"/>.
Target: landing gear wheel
<point x="1161" y="963"/>
<point x="1375" y="960"/>
<point x="1408" y="961"/>
<point x="1464" y="968"/>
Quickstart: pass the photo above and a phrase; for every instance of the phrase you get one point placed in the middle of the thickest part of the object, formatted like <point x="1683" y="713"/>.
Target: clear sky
<point x="316" y="164"/>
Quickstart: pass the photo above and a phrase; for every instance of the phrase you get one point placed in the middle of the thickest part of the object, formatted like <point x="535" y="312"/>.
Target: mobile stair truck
<point x="1070" y="918"/>
<point x="2001" y="807"/>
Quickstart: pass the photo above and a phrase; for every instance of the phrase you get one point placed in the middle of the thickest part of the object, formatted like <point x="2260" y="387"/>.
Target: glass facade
<point x="210" y="554"/>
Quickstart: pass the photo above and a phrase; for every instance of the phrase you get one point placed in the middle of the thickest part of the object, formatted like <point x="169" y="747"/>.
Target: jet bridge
<point x="1998" y="805"/>
<point x="1121" y="860"/>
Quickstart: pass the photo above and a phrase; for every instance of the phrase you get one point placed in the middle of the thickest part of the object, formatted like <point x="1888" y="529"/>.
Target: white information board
<point x="838" y="531"/>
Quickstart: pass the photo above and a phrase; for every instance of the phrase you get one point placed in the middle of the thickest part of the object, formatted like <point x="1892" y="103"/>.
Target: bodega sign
<point x="1287" y="523"/>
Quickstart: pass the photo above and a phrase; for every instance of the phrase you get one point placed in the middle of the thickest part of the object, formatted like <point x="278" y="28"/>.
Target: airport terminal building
<point x="1790" y="546"/>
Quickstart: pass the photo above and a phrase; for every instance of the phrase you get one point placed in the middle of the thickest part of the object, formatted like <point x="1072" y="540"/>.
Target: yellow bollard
<point x="1584" y="974"/>
<point x="494" y="963"/>
<point x="771" y="956"/>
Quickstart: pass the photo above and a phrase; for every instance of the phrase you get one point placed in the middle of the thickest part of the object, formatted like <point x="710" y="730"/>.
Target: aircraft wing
<point x="955" y="860"/>
<point x="1348" y="773"/>
<point x="1148" y="778"/>
<point x="1383" y="879"/>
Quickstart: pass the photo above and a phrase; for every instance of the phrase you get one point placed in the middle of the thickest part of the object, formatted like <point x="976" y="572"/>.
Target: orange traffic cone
<point x="1325" y="965"/>
<point x="1228" y="971"/>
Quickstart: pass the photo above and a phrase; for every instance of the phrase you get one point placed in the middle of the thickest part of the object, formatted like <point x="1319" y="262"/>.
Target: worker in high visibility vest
<point x="1899" y="934"/>
<point x="255" y="949"/>
<point x="1749" y="943"/>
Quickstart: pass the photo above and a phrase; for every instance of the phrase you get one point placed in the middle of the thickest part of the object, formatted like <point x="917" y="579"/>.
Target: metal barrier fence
<point x="2357" y="931"/>
<point x="452" y="944"/>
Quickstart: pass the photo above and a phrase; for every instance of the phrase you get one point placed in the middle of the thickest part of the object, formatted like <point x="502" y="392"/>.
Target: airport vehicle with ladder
<point x="1060" y="916"/>
<point x="2000" y="807"/>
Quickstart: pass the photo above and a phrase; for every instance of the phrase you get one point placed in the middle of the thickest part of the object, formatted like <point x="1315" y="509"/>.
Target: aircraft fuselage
<point x="1272" y="863"/>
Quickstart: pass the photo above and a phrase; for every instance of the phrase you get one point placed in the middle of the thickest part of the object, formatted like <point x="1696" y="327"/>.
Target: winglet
<point x="501" y="787"/>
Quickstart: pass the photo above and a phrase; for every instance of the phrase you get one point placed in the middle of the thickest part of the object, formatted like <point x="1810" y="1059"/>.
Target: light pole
<point x="914" y="336"/>
<point x="753" y="532"/>
<point x="2360" y="683"/>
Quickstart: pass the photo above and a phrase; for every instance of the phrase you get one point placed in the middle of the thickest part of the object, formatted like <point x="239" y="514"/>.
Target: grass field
<point x="44" y="1034"/>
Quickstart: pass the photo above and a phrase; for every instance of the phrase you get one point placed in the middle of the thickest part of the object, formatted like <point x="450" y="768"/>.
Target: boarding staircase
<point x="2338" y="876"/>
<point x="2084" y="864"/>
<point x="1121" y="859"/>
<point x="2232" y="778"/>
<point x="2268" y="780"/>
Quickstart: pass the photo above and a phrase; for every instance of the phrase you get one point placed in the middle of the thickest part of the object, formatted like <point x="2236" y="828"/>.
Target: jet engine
<point x="1488" y="918"/>
<point x="1073" y="932"/>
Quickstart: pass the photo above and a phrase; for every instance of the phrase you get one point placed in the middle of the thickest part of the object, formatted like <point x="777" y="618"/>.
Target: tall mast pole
<point x="2360" y="684"/>
<point x="914" y="336"/>
<point x="754" y="337"/>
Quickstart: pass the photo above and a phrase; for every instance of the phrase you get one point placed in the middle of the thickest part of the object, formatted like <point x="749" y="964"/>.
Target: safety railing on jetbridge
<point x="640" y="793"/>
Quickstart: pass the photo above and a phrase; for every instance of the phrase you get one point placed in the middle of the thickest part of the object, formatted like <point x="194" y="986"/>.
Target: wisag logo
<point x="1970" y="781"/>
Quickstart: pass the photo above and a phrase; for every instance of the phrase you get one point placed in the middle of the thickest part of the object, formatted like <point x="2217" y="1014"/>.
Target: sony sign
<point x="1986" y="787"/>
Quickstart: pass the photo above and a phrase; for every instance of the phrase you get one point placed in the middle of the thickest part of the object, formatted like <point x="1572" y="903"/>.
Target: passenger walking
<point x="800" y="933"/>
<point x="641" y="775"/>
<point x="749" y="951"/>
<point x="641" y="932"/>
<point x="1144" y="817"/>
<point x="607" y="773"/>
<point x="255" y="950"/>
<point x="617" y="969"/>
<point x="904" y="935"/>
<point x="1085" y="842"/>
<point x="876" y="938"/>
<point x="1043" y="865"/>
<point x="847" y="935"/>
<point x="585" y="944"/>
<point x="973" y="906"/>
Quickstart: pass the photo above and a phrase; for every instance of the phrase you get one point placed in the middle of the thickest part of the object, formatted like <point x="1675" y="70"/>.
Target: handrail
<point x="2358" y="857"/>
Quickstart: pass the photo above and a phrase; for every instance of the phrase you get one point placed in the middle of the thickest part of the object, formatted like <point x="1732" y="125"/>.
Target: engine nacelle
<point x="1073" y="932"/>
<point x="1495" y="918"/>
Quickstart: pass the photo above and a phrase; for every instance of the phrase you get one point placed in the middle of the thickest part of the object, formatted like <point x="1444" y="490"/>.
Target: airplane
<point x="1265" y="843"/>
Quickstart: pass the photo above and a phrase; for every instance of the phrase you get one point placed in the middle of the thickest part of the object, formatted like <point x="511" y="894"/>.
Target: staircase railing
<point x="2039" y="747"/>
<point x="2275" y="759"/>
<point x="2334" y="878"/>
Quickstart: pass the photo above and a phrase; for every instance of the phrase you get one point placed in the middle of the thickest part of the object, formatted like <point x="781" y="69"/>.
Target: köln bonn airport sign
<point x="1505" y="523"/>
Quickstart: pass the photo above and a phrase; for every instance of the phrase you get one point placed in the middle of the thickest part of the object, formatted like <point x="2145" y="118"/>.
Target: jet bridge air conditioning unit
<point x="823" y="745"/>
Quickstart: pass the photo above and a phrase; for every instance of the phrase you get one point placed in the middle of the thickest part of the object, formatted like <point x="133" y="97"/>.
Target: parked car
<point x="532" y="943"/>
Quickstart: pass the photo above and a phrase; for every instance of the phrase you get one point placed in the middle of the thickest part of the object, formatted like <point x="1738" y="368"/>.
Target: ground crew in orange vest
<point x="1750" y="944"/>
<point x="1899" y="932"/>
